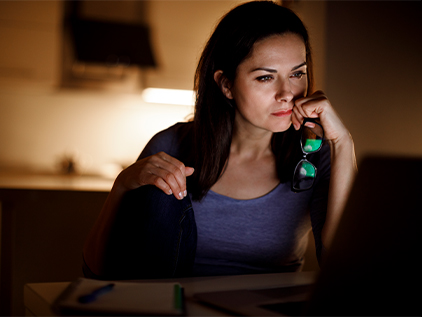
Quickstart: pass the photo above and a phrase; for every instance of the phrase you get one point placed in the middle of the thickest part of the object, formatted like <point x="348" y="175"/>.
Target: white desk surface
<point x="38" y="297"/>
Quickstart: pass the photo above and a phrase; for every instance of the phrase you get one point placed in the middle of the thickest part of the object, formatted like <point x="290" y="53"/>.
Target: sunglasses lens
<point x="312" y="138"/>
<point x="304" y="175"/>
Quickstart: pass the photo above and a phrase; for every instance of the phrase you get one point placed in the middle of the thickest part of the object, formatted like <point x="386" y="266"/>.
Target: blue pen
<point x="94" y="295"/>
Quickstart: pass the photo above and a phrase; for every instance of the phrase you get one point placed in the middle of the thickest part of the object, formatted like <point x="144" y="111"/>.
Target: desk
<point x="38" y="297"/>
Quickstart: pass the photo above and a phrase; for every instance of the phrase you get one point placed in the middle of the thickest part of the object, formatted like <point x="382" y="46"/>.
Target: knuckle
<point x="156" y="181"/>
<point x="180" y="165"/>
<point x="168" y="177"/>
<point x="153" y="159"/>
<point x="177" y="172"/>
<point x="163" y="156"/>
<point x="161" y="184"/>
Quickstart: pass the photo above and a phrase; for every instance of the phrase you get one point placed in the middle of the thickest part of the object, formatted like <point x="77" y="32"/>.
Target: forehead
<point x="286" y="49"/>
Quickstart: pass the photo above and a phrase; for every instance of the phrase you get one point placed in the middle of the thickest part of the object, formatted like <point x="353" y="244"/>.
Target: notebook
<point x="94" y="297"/>
<point x="373" y="265"/>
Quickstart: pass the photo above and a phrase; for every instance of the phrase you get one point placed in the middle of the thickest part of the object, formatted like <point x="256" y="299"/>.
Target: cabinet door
<point x="29" y="41"/>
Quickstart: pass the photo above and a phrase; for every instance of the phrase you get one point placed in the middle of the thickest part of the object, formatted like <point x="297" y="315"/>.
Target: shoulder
<point x="170" y="140"/>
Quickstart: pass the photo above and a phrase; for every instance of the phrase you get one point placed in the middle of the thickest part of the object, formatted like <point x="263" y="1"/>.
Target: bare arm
<point x="343" y="168"/>
<point x="161" y="170"/>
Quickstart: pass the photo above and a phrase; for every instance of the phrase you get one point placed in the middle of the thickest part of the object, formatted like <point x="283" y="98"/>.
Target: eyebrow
<point x="271" y="70"/>
<point x="299" y="66"/>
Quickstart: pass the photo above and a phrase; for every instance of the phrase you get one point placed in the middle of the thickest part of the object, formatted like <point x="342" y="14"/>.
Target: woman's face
<point x="268" y="82"/>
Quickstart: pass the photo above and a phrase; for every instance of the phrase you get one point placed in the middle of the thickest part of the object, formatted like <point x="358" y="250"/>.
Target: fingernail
<point x="170" y="192"/>
<point x="185" y="193"/>
<point x="180" y="195"/>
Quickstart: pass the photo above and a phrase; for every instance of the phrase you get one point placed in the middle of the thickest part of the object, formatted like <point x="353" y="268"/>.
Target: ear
<point x="224" y="84"/>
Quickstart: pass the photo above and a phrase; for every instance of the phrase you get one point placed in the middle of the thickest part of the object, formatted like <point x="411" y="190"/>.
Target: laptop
<point x="373" y="266"/>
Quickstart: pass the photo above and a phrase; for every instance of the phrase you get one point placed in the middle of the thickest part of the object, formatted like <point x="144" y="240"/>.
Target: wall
<point x="314" y="15"/>
<point x="102" y="131"/>
<point x="180" y="30"/>
<point x="373" y="73"/>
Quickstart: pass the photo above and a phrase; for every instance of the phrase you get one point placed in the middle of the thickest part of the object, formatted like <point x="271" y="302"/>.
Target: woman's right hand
<point x="161" y="170"/>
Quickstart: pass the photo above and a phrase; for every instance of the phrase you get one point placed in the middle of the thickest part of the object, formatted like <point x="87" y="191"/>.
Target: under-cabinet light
<point x="169" y="96"/>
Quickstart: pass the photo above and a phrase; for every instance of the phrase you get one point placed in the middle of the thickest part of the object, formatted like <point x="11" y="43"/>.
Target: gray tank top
<point x="266" y="234"/>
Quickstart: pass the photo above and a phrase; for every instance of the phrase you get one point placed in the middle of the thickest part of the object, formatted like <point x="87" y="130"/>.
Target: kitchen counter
<point x="10" y="180"/>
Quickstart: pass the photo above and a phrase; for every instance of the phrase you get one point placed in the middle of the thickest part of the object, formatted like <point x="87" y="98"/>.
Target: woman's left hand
<point x="317" y="105"/>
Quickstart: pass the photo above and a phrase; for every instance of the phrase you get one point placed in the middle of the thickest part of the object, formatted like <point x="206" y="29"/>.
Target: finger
<point x="310" y="124"/>
<point x="173" y="177"/>
<point x="300" y="111"/>
<point x="170" y="159"/>
<point x="189" y="171"/>
<point x="316" y="95"/>
<point x="164" y="180"/>
<point x="161" y="184"/>
<point x="297" y="118"/>
<point x="313" y="107"/>
<point x="174" y="173"/>
<point x="170" y="170"/>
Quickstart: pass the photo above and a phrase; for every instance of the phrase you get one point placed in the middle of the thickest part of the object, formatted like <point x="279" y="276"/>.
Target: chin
<point x="282" y="127"/>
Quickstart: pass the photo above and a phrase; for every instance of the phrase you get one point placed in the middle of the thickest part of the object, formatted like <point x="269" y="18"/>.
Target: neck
<point x="251" y="143"/>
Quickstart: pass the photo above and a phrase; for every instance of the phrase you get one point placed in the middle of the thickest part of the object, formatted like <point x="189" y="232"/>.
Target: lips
<point x="282" y="113"/>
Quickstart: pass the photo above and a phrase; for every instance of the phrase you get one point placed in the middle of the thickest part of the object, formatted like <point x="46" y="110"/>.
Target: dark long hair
<point x="229" y="45"/>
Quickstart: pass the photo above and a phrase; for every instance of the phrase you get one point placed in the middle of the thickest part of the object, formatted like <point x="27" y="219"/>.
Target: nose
<point x="284" y="92"/>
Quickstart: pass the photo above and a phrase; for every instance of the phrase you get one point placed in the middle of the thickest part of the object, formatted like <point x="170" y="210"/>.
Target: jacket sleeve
<point x="175" y="141"/>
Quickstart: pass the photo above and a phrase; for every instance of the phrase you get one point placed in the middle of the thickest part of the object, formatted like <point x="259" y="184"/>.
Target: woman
<point x="213" y="196"/>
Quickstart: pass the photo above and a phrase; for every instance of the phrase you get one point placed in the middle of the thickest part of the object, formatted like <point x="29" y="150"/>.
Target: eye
<point x="264" y="78"/>
<point x="298" y="75"/>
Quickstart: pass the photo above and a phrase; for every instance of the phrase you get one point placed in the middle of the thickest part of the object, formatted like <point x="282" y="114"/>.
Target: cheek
<point x="251" y="101"/>
<point x="243" y="95"/>
<point x="300" y="89"/>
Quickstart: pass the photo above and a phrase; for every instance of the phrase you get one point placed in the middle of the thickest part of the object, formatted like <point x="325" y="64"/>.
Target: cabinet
<point x="30" y="41"/>
<point x="44" y="223"/>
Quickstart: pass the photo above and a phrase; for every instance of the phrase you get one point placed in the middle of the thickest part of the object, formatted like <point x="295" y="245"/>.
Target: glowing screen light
<point x="169" y="96"/>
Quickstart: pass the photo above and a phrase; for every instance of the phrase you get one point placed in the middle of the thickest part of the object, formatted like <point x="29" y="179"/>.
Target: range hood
<point x="111" y="43"/>
<point x="107" y="53"/>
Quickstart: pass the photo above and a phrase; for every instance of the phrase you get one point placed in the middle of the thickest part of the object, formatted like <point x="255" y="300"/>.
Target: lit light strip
<point x="169" y="96"/>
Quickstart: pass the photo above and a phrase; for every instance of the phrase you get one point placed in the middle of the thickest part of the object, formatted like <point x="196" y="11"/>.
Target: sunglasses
<point x="312" y="136"/>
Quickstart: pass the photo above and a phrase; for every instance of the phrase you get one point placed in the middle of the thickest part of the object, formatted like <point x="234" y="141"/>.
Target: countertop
<point x="14" y="180"/>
